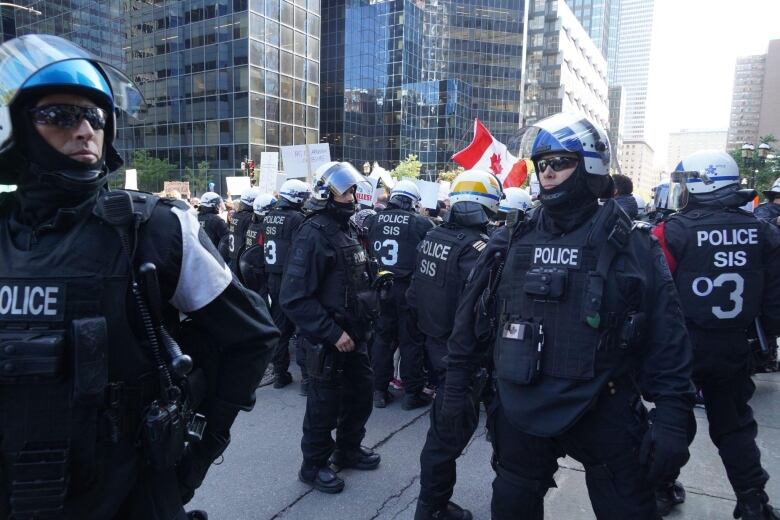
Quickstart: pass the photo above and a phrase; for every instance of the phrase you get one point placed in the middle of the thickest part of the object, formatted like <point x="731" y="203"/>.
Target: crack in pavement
<point x="402" y="428"/>
<point x="405" y="508"/>
<point x="393" y="496"/>
<point x="281" y="513"/>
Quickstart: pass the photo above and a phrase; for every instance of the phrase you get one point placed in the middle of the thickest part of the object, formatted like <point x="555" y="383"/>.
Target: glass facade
<point x="224" y="80"/>
<point x="404" y="77"/>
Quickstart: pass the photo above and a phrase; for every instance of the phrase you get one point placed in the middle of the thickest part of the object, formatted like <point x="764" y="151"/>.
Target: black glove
<point x="196" y="461"/>
<point x="664" y="448"/>
<point x="457" y="417"/>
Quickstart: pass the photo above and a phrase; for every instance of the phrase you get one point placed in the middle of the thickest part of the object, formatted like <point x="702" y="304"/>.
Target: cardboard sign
<point x="237" y="185"/>
<point x="429" y="193"/>
<point x="131" y="179"/>
<point x="301" y="161"/>
<point x="269" y="162"/>
<point x="444" y="190"/>
<point x="182" y="187"/>
<point x="366" y="192"/>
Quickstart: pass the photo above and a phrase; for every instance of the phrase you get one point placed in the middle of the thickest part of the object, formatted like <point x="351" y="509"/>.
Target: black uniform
<point x="726" y="265"/>
<point x="236" y="237"/>
<point x="280" y="226"/>
<point x="768" y="211"/>
<point x="255" y="278"/>
<point x="445" y="257"/>
<point x="393" y="235"/>
<point x="79" y="373"/>
<point x="567" y="365"/>
<point x="212" y="224"/>
<point x="327" y="274"/>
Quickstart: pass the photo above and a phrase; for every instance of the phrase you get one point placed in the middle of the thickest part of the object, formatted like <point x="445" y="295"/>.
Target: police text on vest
<point x="556" y="255"/>
<point x="21" y="300"/>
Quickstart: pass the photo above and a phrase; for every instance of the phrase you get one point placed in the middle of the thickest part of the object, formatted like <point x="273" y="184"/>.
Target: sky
<point x="695" y="47"/>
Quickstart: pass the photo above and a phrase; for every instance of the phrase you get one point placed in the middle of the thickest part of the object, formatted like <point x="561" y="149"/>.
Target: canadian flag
<point x="485" y="152"/>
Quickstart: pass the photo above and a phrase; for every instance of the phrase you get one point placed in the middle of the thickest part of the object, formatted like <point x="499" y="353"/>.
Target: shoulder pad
<point x="143" y="204"/>
<point x="178" y="203"/>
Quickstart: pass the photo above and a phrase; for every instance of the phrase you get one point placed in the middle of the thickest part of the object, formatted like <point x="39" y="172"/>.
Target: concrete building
<point x="223" y="80"/>
<point x="565" y="70"/>
<point x="632" y="66"/>
<point x="746" y="100"/>
<point x="685" y="142"/>
<point x="637" y="163"/>
<point x="617" y="110"/>
<point x="769" y="120"/>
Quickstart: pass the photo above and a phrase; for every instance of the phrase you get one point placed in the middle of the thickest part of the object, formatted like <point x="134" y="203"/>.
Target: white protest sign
<point x="319" y="154"/>
<point x="269" y="162"/>
<point x="444" y="190"/>
<point x="131" y="179"/>
<point x="301" y="161"/>
<point x="429" y="193"/>
<point x="366" y="192"/>
<point x="280" y="178"/>
<point x="237" y="185"/>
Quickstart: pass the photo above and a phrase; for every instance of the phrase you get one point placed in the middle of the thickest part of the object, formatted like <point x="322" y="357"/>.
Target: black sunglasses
<point x="556" y="163"/>
<point x="69" y="116"/>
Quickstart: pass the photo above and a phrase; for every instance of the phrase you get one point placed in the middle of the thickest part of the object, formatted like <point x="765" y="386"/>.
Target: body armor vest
<point x="279" y="226"/>
<point x="254" y="233"/>
<point x="64" y="335"/>
<point x="720" y="276"/>
<point x="341" y="290"/>
<point x="391" y="241"/>
<point x="208" y="224"/>
<point x="237" y="227"/>
<point x="552" y="357"/>
<point x="438" y="284"/>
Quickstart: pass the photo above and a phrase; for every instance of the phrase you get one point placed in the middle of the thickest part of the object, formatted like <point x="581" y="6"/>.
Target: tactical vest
<point x="237" y="226"/>
<point x="207" y="224"/>
<point x="254" y="233"/>
<point x="720" y="275"/>
<point x="279" y="227"/>
<point x="437" y="282"/>
<point x="391" y="241"/>
<point x="553" y="353"/>
<point x="343" y="287"/>
<point x="65" y="340"/>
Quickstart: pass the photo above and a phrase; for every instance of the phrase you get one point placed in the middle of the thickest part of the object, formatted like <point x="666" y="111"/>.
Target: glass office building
<point x="403" y="77"/>
<point x="224" y="80"/>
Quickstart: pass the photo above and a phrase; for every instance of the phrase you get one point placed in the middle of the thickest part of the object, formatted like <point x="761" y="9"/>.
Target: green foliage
<point x="764" y="174"/>
<point x="152" y="172"/>
<point x="449" y="175"/>
<point x="199" y="179"/>
<point x="409" y="167"/>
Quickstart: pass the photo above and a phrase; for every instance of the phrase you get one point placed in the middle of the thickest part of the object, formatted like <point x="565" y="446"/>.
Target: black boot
<point x="197" y="514"/>
<point x="418" y="400"/>
<point x="362" y="458"/>
<point x="450" y="511"/>
<point x="669" y="495"/>
<point x="382" y="398"/>
<point x="282" y="379"/>
<point x="304" y="391"/>
<point x="321" y="478"/>
<point x="753" y="504"/>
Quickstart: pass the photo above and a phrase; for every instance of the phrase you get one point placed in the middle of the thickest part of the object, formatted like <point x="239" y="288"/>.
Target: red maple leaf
<point x="495" y="164"/>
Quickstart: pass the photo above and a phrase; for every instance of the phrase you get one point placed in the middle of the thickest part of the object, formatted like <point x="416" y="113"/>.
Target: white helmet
<point x="707" y="171"/>
<point x="249" y="195"/>
<point x="774" y="191"/>
<point x="210" y="200"/>
<point x="406" y="188"/>
<point x="515" y="199"/>
<point x="476" y="186"/>
<point x="337" y="179"/>
<point x="295" y="191"/>
<point x="322" y="168"/>
<point x="263" y="203"/>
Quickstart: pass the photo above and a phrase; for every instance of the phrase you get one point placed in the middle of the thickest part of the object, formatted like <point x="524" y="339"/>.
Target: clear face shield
<point x="677" y="197"/>
<point x="339" y="179"/>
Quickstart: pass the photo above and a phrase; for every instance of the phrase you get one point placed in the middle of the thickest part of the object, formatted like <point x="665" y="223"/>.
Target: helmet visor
<point x="22" y="57"/>
<point x="678" y="193"/>
<point x="340" y="179"/>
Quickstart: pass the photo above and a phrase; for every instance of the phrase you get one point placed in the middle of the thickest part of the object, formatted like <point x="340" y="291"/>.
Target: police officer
<point x="393" y="235"/>
<point x="279" y="228"/>
<point x="770" y="210"/>
<point x="251" y="261"/>
<point x="726" y="266"/>
<point x="208" y="216"/>
<point x="585" y="315"/>
<point x="444" y="260"/>
<point x="238" y="223"/>
<point x="326" y="293"/>
<point x="91" y="385"/>
<point x="516" y="202"/>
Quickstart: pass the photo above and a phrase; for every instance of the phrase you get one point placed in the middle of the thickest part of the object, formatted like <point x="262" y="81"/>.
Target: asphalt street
<point x="258" y="478"/>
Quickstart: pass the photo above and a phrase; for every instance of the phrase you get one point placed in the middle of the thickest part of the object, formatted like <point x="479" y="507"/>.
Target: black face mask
<point x="571" y="203"/>
<point x="342" y="210"/>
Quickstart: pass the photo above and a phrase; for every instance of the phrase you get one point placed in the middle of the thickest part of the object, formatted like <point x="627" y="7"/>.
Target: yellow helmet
<point x="477" y="186"/>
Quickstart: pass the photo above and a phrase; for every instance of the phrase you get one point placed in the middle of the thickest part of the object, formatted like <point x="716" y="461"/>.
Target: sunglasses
<point x="69" y="116"/>
<point x="556" y="163"/>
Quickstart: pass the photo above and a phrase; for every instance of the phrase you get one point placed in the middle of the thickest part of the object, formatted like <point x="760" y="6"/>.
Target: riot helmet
<point x="322" y="168"/>
<point x="704" y="176"/>
<point x="36" y="66"/>
<point x="405" y="194"/>
<point x="263" y="203"/>
<point x="474" y="198"/>
<point x="295" y="191"/>
<point x="248" y="196"/>
<point x="335" y="182"/>
<point x="210" y="200"/>
<point x="772" y="193"/>
<point x="582" y="144"/>
<point x="515" y="199"/>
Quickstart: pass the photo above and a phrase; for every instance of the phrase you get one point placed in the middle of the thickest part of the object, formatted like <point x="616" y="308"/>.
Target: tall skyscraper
<point x="404" y="77"/>
<point x="746" y="99"/>
<point x="224" y="80"/>
<point x="632" y="67"/>
<point x="769" y="121"/>
<point x="594" y="15"/>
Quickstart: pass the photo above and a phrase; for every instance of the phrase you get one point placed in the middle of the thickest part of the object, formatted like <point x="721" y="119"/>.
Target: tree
<point x="198" y="180"/>
<point x="449" y="175"/>
<point x="409" y="167"/>
<point x="152" y="172"/>
<point x="764" y="174"/>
